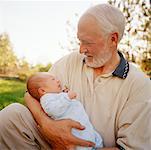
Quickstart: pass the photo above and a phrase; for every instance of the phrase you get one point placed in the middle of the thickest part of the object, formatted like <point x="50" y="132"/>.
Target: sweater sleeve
<point x="134" y="123"/>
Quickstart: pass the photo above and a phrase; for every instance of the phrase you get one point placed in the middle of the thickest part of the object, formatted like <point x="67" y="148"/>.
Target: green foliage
<point x="11" y="91"/>
<point x="145" y="65"/>
<point x="24" y="70"/>
<point x="43" y="68"/>
<point x="137" y="36"/>
<point x="8" y="60"/>
<point x="23" y="76"/>
<point x="136" y="43"/>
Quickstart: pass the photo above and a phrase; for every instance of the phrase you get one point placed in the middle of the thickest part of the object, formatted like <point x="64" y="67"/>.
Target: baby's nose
<point x="58" y="81"/>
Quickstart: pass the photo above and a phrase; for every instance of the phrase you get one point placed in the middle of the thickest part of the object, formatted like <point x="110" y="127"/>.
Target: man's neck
<point x="110" y="66"/>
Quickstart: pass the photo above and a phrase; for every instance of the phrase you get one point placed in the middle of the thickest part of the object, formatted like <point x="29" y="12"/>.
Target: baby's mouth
<point x="59" y="86"/>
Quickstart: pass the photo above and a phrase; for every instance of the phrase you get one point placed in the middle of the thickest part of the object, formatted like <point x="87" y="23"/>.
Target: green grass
<point x="11" y="91"/>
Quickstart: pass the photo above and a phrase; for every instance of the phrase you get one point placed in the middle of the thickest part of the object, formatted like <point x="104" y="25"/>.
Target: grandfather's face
<point x="92" y="43"/>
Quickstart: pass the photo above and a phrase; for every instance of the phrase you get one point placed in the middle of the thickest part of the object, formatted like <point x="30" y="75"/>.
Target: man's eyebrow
<point x="83" y="40"/>
<point x="78" y="37"/>
<point x="87" y="41"/>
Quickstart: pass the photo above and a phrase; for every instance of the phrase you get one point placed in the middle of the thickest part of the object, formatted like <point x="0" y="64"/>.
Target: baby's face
<point x="52" y="85"/>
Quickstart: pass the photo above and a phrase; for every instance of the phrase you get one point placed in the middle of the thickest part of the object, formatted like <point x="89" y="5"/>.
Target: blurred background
<point x="35" y="34"/>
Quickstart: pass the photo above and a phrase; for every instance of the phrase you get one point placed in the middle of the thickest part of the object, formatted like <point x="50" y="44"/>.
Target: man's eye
<point x="88" y="43"/>
<point x="84" y="42"/>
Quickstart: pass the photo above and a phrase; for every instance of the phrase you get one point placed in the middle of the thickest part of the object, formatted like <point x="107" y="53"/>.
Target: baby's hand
<point x="72" y="95"/>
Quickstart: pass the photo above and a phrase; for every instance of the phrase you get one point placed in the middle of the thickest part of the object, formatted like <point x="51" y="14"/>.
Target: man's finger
<point x="77" y="125"/>
<point x="81" y="142"/>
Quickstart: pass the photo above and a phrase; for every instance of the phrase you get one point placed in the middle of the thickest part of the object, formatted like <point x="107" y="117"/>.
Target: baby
<point x="62" y="105"/>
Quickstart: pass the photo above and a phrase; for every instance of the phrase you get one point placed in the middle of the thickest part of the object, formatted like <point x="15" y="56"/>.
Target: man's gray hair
<point x="109" y="18"/>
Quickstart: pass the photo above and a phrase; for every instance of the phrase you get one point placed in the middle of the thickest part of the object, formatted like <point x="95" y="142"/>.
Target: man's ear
<point x="41" y="91"/>
<point x="114" y="38"/>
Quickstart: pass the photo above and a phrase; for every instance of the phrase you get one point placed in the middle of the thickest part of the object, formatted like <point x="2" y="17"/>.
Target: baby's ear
<point x="41" y="91"/>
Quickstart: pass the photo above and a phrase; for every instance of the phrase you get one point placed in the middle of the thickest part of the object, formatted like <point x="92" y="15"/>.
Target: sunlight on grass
<point x="11" y="91"/>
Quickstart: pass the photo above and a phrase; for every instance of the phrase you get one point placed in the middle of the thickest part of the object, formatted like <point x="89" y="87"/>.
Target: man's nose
<point x="83" y="49"/>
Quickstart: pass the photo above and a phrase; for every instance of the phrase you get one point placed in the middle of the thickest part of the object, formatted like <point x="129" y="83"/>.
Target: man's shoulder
<point x="136" y="75"/>
<point x="135" y="71"/>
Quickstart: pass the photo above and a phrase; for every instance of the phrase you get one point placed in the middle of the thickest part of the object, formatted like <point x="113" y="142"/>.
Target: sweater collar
<point x="122" y="69"/>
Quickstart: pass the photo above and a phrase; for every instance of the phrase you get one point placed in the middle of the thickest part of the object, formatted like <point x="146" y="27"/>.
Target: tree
<point x="136" y="43"/>
<point x="8" y="60"/>
<point x="42" y="68"/>
<point x="24" y="69"/>
<point x="72" y="41"/>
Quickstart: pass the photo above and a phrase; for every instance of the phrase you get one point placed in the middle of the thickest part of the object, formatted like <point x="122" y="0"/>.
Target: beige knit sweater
<point x="119" y="109"/>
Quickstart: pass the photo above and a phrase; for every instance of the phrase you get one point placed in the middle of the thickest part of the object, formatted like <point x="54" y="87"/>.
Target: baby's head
<point x="42" y="83"/>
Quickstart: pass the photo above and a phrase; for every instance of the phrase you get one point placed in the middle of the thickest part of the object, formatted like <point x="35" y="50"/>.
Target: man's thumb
<point x="77" y="125"/>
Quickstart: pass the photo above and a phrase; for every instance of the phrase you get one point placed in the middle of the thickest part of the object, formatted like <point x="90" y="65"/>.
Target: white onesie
<point x="60" y="106"/>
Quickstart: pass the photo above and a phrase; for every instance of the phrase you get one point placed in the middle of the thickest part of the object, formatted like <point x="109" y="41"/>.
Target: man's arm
<point x="57" y="133"/>
<point x="134" y="122"/>
<point x="34" y="107"/>
<point x="111" y="148"/>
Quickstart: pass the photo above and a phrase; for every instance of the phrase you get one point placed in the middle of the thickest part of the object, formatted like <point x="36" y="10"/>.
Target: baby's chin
<point x="60" y="90"/>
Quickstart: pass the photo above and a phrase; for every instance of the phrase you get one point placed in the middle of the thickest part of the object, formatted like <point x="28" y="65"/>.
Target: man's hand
<point x="111" y="148"/>
<point x="58" y="134"/>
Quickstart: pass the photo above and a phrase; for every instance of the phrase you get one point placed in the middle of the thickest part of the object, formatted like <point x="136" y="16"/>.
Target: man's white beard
<point x="99" y="61"/>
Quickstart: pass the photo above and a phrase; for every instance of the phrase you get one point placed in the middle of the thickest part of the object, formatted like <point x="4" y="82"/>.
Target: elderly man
<point x="115" y="94"/>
